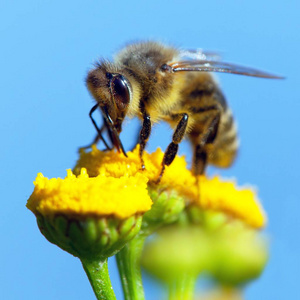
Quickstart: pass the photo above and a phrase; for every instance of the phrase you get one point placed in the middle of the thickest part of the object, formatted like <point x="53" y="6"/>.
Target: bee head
<point x="113" y="92"/>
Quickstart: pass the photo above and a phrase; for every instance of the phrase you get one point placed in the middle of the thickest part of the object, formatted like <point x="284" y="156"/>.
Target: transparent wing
<point x="199" y="54"/>
<point x="218" y="66"/>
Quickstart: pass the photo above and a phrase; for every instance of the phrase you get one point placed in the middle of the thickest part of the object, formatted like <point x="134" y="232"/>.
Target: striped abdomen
<point x="205" y="103"/>
<point x="225" y="146"/>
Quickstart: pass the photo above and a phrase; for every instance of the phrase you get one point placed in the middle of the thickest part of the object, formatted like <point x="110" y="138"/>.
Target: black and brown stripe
<point x="203" y="100"/>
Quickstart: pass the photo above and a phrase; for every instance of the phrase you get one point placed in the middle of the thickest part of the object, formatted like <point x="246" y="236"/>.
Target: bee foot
<point x="158" y="180"/>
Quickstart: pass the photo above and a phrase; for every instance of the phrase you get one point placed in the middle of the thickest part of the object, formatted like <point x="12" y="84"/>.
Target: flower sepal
<point x="166" y="209"/>
<point x="90" y="238"/>
<point x="176" y="250"/>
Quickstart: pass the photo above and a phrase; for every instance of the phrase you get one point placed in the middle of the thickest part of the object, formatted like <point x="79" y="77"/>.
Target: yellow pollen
<point x="82" y="196"/>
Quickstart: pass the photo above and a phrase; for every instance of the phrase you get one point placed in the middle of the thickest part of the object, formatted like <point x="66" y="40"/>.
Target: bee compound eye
<point x="120" y="89"/>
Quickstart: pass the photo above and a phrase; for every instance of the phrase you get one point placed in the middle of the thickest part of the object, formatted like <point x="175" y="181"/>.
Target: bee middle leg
<point x="172" y="149"/>
<point x="144" y="135"/>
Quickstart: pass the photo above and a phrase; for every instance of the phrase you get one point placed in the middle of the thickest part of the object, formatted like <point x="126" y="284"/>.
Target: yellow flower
<point x="225" y="196"/>
<point x="97" y="196"/>
<point x="90" y="217"/>
<point x="206" y="193"/>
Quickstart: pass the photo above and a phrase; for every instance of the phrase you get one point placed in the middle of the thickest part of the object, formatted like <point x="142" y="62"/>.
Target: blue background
<point x="47" y="47"/>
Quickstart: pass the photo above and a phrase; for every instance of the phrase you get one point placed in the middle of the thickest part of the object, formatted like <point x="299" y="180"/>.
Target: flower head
<point x="90" y="216"/>
<point x="225" y="196"/>
<point x="83" y="195"/>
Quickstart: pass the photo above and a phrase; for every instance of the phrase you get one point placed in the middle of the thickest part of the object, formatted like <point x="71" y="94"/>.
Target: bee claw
<point x="84" y="148"/>
<point x="157" y="181"/>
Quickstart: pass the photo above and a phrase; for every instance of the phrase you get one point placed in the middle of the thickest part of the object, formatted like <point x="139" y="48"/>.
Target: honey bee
<point x="159" y="83"/>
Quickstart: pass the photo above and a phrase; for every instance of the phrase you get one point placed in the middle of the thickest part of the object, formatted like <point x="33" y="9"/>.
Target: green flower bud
<point x="240" y="254"/>
<point x="177" y="250"/>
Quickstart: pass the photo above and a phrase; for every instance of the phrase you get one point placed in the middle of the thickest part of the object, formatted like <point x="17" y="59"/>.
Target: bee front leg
<point x="99" y="135"/>
<point x="206" y="139"/>
<point x="144" y="135"/>
<point x="173" y="146"/>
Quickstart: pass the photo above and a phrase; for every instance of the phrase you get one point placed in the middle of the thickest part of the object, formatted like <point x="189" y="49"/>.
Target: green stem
<point x="97" y="272"/>
<point x="128" y="260"/>
<point x="183" y="287"/>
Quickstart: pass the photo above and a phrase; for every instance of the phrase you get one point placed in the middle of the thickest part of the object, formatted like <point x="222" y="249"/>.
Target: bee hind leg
<point x="206" y="139"/>
<point x="199" y="161"/>
<point x="172" y="149"/>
